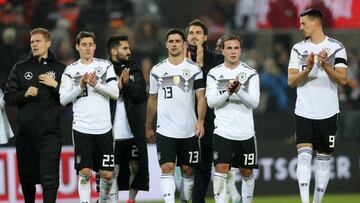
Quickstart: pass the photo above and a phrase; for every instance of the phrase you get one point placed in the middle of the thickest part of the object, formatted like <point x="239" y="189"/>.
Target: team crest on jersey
<point x="28" y="75"/>
<point x="327" y="50"/>
<point x="215" y="155"/>
<point x="242" y="77"/>
<point x="51" y="73"/>
<point x="78" y="159"/>
<point x="98" y="71"/>
<point x="176" y="79"/>
<point x="186" y="73"/>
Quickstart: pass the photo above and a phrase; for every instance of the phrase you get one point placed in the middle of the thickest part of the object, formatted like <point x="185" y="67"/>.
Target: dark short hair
<point x="114" y="40"/>
<point x="44" y="32"/>
<point x="175" y="31"/>
<point x="230" y="37"/>
<point x="199" y="23"/>
<point x="85" y="34"/>
<point x="313" y="13"/>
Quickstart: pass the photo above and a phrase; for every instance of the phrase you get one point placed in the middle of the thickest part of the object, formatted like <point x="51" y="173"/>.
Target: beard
<point x="174" y="54"/>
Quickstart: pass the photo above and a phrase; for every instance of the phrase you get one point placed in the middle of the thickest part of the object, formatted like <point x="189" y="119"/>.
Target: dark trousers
<point x="201" y="183"/>
<point x="202" y="176"/>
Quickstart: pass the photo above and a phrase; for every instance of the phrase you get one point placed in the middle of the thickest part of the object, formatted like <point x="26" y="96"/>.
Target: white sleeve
<point x="341" y="59"/>
<point x="213" y="96"/>
<point x="68" y="92"/>
<point x="110" y="89"/>
<point x="252" y="97"/>
<point x="2" y="102"/>
<point x="154" y="85"/>
<point x="294" y="59"/>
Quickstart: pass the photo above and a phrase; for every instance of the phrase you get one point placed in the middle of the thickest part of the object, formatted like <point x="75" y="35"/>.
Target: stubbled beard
<point x="175" y="55"/>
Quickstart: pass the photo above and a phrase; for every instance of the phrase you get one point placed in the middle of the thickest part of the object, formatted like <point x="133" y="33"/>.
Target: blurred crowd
<point x="145" y="21"/>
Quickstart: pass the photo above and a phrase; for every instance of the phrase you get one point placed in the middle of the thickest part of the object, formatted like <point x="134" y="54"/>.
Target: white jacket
<point x="5" y="129"/>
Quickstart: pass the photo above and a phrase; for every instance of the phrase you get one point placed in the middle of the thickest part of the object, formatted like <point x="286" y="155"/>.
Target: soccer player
<point x="233" y="91"/>
<point x="232" y="191"/>
<point x="89" y="84"/>
<point x="198" y="52"/>
<point x="131" y="158"/>
<point x="173" y="84"/>
<point x="317" y="65"/>
<point x="33" y="86"/>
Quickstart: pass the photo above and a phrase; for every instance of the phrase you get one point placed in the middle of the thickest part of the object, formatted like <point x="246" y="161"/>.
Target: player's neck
<point x="176" y="60"/>
<point x="230" y="65"/>
<point x="86" y="61"/>
<point x="44" y="56"/>
<point x="318" y="37"/>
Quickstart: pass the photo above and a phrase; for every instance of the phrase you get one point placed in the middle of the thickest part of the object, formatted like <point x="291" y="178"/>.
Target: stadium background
<point x="268" y="28"/>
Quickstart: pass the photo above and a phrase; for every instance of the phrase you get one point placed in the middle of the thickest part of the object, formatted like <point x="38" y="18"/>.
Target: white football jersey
<point x="121" y="127"/>
<point x="317" y="98"/>
<point x="234" y="114"/>
<point x="91" y="106"/>
<point x="175" y="86"/>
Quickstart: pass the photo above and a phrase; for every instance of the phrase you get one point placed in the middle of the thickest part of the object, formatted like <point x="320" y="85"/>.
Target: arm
<point x="151" y="107"/>
<point x="295" y="76"/>
<point x="150" y="115"/>
<point x="337" y="74"/>
<point x="136" y="88"/>
<point x="2" y="102"/>
<point x="213" y="96"/>
<point x="217" y="100"/>
<point x="201" y="112"/>
<point x="14" y="94"/>
<point x="68" y="92"/>
<point x="110" y="89"/>
<point x="250" y="98"/>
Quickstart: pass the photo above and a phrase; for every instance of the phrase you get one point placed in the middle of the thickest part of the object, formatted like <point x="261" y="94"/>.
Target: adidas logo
<point x="166" y="74"/>
<point x="221" y="76"/>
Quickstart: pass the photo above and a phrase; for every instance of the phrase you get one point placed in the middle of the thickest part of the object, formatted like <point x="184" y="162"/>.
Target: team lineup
<point x="199" y="114"/>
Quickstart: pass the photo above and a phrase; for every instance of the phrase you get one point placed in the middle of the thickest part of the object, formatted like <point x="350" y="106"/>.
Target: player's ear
<point x="48" y="44"/>
<point x="113" y="51"/>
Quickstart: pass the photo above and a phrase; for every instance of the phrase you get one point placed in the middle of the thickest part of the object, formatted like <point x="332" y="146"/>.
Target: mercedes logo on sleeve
<point x="28" y="75"/>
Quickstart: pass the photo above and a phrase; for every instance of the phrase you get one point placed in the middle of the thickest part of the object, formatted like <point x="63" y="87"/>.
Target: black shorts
<point x="237" y="153"/>
<point x="321" y="133"/>
<point x="125" y="151"/>
<point x="175" y="150"/>
<point x="94" y="151"/>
